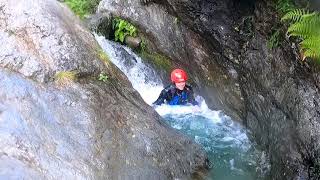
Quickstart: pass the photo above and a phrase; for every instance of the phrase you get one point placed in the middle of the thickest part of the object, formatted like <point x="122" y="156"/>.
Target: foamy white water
<point x="146" y="82"/>
<point x="142" y="77"/>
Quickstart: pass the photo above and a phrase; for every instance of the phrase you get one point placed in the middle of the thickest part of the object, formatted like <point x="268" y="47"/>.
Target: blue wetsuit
<point x="173" y="96"/>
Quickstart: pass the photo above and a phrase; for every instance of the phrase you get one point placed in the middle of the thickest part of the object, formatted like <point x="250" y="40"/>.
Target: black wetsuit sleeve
<point x="161" y="98"/>
<point x="191" y="98"/>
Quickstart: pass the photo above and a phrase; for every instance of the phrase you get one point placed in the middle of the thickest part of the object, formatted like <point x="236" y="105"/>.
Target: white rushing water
<point x="142" y="78"/>
<point x="146" y="82"/>
<point x="224" y="140"/>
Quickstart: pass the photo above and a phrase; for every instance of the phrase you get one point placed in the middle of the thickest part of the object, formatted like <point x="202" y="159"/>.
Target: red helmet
<point x="178" y="75"/>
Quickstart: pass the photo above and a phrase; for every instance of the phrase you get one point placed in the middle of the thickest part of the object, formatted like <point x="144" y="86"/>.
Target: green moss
<point x="160" y="61"/>
<point x="64" y="77"/>
<point x="103" y="56"/>
<point x="82" y="7"/>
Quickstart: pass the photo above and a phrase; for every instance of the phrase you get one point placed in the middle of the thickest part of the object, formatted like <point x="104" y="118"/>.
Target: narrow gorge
<point x="69" y="111"/>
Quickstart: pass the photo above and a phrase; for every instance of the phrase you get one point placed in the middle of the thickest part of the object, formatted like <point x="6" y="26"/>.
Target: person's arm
<point x="161" y="98"/>
<point x="191" y="98"/>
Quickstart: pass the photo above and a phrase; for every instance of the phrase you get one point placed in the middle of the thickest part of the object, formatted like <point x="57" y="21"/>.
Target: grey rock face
<point x="223" y="46"/>
<point x="85" y="129"/>
<point x="37" y="44"/>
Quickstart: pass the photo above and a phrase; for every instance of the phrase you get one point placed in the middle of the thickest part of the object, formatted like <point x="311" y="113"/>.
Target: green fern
<point x="285" y="6"/>
<point x="311" y="42"/>
<point x="305" y="25"/>
<point x="295" y="15"/>
<point x="311" y="47"/>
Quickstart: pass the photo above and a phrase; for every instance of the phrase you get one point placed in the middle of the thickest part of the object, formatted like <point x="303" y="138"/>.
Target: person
<point x="177" y="93"/>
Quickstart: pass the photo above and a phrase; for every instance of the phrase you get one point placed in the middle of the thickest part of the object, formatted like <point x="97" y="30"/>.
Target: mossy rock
<point x="65" y="77"/>
<point x="160" y="61"/>
<point x="103" y="56"/>
<point x="82" y="8"/>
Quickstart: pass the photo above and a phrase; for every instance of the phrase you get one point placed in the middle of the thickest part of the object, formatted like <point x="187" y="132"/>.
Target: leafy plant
<point x="82" y="7"/>
<point x="305" y="25"/>
<point x="274" y="39"/>
<point x="103" y="77"/>
<point x="285" y="6"/>
<point x="122" y="28"/>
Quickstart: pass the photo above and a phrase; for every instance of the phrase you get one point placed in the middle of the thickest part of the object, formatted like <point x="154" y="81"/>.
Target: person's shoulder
<point x="169" y="88"/>
<point x="188" y="87"/>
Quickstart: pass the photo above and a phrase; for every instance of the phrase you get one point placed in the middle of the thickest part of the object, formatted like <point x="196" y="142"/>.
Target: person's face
<point x="180" y="85"/>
